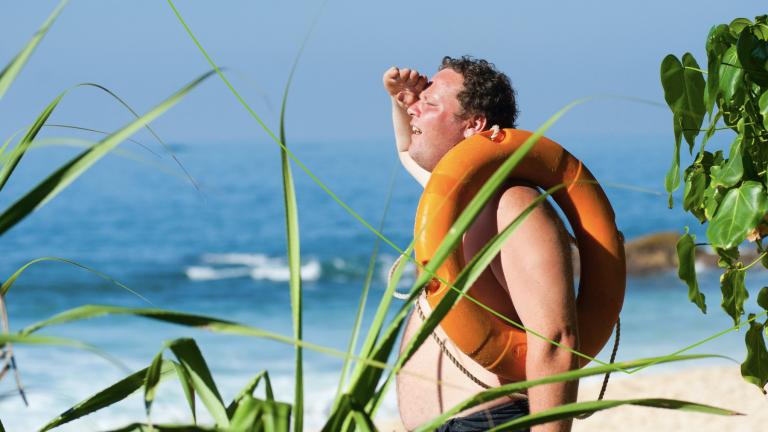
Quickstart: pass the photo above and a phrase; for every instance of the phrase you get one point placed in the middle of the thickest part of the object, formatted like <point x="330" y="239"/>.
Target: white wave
<point x="310" y="271"/>
<point x="256" y="266"/>
<point x="246" y="259"/>
<point x="209" y="273"/>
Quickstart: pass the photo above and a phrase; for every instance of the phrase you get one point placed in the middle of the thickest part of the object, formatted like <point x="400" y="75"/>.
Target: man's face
<point x="435" y="127"/>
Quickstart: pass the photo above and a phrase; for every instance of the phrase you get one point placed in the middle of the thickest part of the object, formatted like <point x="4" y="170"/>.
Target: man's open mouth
<point x="415" y="130"/>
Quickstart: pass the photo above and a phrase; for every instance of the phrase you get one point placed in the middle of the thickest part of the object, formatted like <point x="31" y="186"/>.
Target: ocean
<point x="220" y="251"/>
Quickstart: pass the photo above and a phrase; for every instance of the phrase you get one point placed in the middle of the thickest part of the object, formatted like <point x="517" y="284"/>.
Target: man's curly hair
<point x="486" y="92"/>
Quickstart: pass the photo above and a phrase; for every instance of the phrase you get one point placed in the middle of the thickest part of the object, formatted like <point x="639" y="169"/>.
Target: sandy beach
<point x="719" y="386"/>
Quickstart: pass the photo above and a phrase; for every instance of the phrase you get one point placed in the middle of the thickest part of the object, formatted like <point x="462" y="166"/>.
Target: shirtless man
<point x="530" y="281"/>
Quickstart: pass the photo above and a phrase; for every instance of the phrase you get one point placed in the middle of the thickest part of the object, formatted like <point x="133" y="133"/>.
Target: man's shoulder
<point x="517" y="196"/>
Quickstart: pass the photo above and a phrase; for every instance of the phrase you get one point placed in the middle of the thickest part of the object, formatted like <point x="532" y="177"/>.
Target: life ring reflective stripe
<point x="491" y="342"/>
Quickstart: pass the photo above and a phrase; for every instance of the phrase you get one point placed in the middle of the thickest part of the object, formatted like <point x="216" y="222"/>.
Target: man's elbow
<point x="555" y="354"/>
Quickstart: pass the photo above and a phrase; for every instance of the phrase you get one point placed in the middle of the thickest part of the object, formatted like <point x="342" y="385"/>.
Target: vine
<point x="728" y="194"/>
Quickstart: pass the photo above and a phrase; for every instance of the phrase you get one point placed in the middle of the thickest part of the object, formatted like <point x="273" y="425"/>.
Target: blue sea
<point x="220" y="251"/>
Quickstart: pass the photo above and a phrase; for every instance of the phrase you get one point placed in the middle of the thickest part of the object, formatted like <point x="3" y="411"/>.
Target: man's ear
<point x="475" y="124"/>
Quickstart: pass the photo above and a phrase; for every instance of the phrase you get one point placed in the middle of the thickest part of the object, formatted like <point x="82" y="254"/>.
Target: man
<point x="530" y="281"/>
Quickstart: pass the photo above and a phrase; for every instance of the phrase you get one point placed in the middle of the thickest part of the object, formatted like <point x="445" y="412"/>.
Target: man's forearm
<point x="544" y="359"/>
<point x="401" y="122"/>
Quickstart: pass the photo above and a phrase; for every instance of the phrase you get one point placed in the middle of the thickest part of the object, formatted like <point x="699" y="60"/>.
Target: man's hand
<point x="404" y="85"/>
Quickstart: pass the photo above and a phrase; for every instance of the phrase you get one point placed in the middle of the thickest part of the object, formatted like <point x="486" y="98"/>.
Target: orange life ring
<point x="491" y="342"/>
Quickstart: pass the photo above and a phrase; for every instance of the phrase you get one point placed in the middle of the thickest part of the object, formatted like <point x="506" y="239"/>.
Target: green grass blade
<point x="248" y="390"/>
<point x="65" y="175"/>
<point x="572" y="410"/>
<point x="6" y="286"/>
<point x="110" y="395"/>
<point x="186" y="385"/>
<point x="14" y="157"/>
<point x="144" y="427"/>
<point x="84" y="144"/>
<point x="18" y="152"/>
<point x="246" y="414"/>
<point x="11" y="71"/>
<point x="6" y="144"/>
<point x="294" y="266"/>
<point x="381" y="311"/>
<point x="363" y="423"/>
<point x="152" y="132"/>
<point x="151" y="380"/>
<point x="293" y="240"/>
<point x="190" y="320"/>
<point x="27" y="339"/>
<point x="276" y="416"/>
<point x="497" y="392"/>
<point x="189" y="356"/>
<point x="100" y="132"/>
<point x="366" y="288"/>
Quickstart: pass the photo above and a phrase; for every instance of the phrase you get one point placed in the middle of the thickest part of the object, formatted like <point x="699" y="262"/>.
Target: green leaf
<point x="693" y="192"/>
<point x="684" y="92"/>
<point x="738" y="25"/>
<point x="762" y="298"/>
<point x="731" y="81"/>
<point x="718" y="41"/>
<point x="70" y="171"/>
<point x="739" y="213"/>
<point x="152" y="380"/>
<point x="712" y="198"/>
<point x="763" y="103"/>
<point x="734" y="293"/>
<point x="112" y="394"/>
<point x="755" y="366"/>
<point x="190" y="357"/>
<point x="686" y="256"/>
<point x="711" y="129"/>
<point x="11" y="71"/>
<point x="731" y="172"/>
<point x="672" y="179"/>
<point x="727" y="257"/>
<point x="753" y="55"/>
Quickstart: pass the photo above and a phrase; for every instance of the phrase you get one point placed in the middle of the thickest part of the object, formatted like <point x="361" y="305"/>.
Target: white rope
<point x="495" y="129"/>
<point x="395" y="293"/>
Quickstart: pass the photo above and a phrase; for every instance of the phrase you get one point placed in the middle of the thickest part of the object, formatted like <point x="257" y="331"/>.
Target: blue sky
<point x="554" y="52"/>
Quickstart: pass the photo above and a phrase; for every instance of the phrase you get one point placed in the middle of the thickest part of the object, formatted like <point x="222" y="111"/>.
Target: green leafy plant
<point x="728" y="193"/>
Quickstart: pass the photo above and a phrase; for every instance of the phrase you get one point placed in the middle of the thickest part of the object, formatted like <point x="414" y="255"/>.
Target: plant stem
<point x="762" y="255"/>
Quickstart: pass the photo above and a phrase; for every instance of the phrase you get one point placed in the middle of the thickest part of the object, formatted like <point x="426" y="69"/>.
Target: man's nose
<point x="414" y="109"/>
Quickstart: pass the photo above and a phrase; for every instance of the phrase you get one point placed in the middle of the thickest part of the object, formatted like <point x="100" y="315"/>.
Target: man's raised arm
<point x="404" y="87"/>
